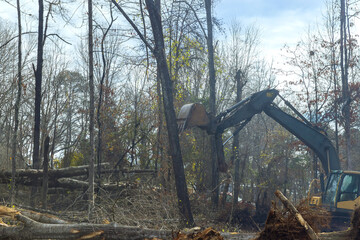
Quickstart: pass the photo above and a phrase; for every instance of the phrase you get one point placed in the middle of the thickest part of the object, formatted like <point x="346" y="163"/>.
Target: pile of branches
<point x="281" y="224"/>
<point x="143" y="206"/>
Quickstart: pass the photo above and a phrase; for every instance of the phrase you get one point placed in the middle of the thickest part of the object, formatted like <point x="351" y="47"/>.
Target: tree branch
<point x="8" y="41"/>
<point x="133" y="25"/>
<point x="197" y="18"/>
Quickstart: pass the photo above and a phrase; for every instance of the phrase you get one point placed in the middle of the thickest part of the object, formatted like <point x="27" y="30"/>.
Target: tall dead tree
<point x="17" y="106"/>
<point x="167" y="94"/>
<point x="91" y="108"/>
<point x="344" y="63"/>
<point x="38" y="80"/>
<point x="101" y="88"/>
<point x="240" y="83"/>
<point x="212" y="83"/>
<point x="170" y="116"/>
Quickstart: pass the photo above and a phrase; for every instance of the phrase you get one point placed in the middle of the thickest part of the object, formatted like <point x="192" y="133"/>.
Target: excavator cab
<point x="342" y="192"/>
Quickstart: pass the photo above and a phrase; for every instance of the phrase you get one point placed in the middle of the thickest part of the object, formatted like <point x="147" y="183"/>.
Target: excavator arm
<point x="245" y="109"/>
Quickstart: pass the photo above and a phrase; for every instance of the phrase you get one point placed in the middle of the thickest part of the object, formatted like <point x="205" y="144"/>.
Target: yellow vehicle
<point x="339" y="195"/>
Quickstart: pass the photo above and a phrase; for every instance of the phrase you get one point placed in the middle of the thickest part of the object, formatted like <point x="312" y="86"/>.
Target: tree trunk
<point x="286" y="174"/>
<point x="240" y="83"/>
<point x="91" y="110"/>
<point x="38" y="80"/>
<point x="98" y="113"/>
<point x="17" y="107"/>
<point x="170" y="116"/>
<point x="212" y="84"/>
<point x="344" y="51"/>
<point x="46" y="175"/>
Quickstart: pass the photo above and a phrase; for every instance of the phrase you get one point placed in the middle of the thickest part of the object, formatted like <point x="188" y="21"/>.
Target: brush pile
<point x="280" y="224"/>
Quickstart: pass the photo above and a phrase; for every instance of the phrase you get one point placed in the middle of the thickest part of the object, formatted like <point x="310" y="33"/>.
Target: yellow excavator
<point x="341" y="193"/>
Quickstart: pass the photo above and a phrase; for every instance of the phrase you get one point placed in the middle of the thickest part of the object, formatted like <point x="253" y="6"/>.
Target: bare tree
<point x="344" y="63"/>
<point x="91" y="109"/>
<point x="212" y="84"/>
<point x="17" y="106"/>
<point x="167" y="90"/>
<point x="38" y="80"/>
<point x="101" y="88"/>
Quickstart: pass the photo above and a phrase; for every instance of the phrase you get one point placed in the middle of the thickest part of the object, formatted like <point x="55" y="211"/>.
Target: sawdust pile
<point x="280" y="224"/>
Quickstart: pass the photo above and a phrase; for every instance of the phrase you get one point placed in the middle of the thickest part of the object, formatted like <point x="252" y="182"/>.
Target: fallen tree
<point x="28" y="228"/>
<point x="27" y="175"/>
<point x="31" y="177"/>
<point x="78" y="184"/>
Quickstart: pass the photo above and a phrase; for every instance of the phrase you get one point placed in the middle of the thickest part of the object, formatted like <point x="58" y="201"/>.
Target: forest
<point x="89" y="97"/>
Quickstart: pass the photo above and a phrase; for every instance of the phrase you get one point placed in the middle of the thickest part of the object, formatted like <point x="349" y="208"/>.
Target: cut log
<point x="312" y="235"/>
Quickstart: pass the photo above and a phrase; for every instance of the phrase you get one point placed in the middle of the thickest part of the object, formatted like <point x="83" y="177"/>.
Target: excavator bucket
<point x="190" y="115"/>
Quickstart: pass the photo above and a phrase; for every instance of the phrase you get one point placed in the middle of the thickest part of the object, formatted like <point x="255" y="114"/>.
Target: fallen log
<point x="31" y="177"/>
<point x="135" y="171"/>
<point x="31" y="229"/>
<point x="42" y="217"/>
<point x="72" y="183"/>
<point x="78" y="184"/>
<point x="35" y="230"/>
<point x="53" y="173"/>
<point x="312" y="235"/>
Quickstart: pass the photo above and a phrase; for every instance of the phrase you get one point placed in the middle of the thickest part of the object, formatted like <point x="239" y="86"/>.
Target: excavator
<point x="341" y="192"/>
